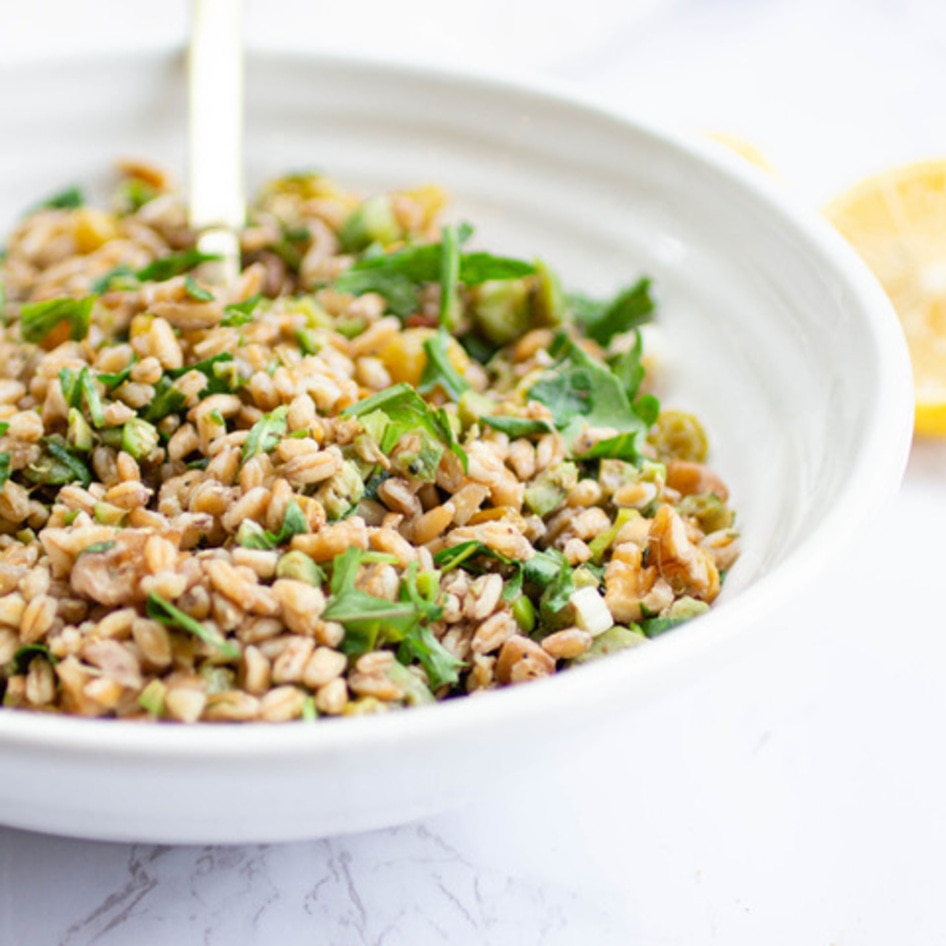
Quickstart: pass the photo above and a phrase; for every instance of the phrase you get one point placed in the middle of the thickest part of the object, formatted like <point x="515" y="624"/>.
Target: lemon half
<point x="896" y="220"/>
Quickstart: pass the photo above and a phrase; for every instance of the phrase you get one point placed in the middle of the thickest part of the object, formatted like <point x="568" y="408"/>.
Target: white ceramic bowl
<point x="774" y="334"/>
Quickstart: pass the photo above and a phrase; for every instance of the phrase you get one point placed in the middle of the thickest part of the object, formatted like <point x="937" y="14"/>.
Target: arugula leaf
<point x="581" y="392"/>
<point x="647" y="408"/>
<point x="252" y="535"/>
<point x="368" y="620"/>
<point x="439" y="371"/>
<point x="38" y="319"/>
<point x="480" y="267"/>
<point x="628" y="367"/>
<point x="397" y="290"/>
<point x="5" y="458"/>
<point x="117" y="378"/>
<point x="402" y="410"/>
<point x="398" y="274"/>
<point x="654" y="627"/>
<point x="518" y="426"/>
<point x="241" y="313"/>
<point x="166" y="267"/>
<point x="67" y="199"/>
<point x="193" y="289"/>
<point x="601" y="321"/>
<point x="440" y="665"/>
<point x="448" y="559"/>
<point x="371" y="621"/>
<point x="210" y="368"/>
<point x="558" y="592"/>
<point x="265" y="434"/>
<point x="160" y="610"/>
<point x="122" y="275"/>
<point x="621" y="447"/>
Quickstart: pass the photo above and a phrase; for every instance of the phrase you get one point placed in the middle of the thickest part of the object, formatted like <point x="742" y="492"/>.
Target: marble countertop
<point x="800" y="796"/>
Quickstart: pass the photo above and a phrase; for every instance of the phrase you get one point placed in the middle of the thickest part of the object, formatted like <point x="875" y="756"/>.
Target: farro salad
<point x="383" y="469"/>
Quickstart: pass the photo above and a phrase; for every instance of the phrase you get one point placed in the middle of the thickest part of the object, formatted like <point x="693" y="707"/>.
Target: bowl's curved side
<point x="804" y="388"/>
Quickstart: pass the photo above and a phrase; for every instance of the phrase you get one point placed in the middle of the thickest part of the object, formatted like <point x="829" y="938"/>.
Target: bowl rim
<point x="882" y="460"/>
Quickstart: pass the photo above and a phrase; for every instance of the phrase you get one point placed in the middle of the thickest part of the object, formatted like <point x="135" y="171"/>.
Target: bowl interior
<point x="769" y="330"/>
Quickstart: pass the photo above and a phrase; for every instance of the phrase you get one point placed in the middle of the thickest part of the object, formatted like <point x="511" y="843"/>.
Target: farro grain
<point x="483" y="596"/>
<point x="323" y="666"/>
<point x="185" y="704"/>
<point x="281" y="704"/>
<point x="375" y="685"/>
<point x="288" y="667"/>
<point x="567" y="644"/>
<point x="494" y="632"/>
<point x="153" y="642"/>
<point x="522" y="659"/>
<point x="37" y="619"/>
<point x="257" y="673"/>
<point x="331" y="697"/>
<point x="432" y="524"/>
<point x="40" y="688"/>
<point x="9" y="644"/>
<point x="232" y="706"/>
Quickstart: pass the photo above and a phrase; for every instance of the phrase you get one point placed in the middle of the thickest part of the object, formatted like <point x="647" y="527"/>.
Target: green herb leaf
<point x="402" y="410"/>
<point x="117" y="378"/>
<point x="369" y="621"/>
<point x="120" y="277"/>
<point x="220" y="378"/>
<point x="476" y="268"/>
<point x="24" y="656"/>
<point x="160" y="610"/>
<point x="439" y="370"/>
<point x="581" y="392"/>
<point x="38" y="319"/>
<point x="174" y="264"/>
<point x="601" y="321"/>
<point x="196" y="291"/>
<point x="628" y="367"/>
<point x="440" y="665"/>
<point x="241" y="313"/>
<point x="558" y="582"/>
<point x="398" y="275"/>
<point x="4" y="467"/>
<point x="518" y="426"/>
<point x="397" y="290"/>
<point x="252" y="535"/>
<point x="455" y="556"/>
<point x="67" y="199"/>
<point x="266" y="433"/>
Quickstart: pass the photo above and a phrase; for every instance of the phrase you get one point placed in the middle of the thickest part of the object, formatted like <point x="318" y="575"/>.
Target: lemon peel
<point x="896" y="221"/>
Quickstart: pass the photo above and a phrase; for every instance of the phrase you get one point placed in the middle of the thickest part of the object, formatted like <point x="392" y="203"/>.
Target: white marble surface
<point x="799" y="793"/>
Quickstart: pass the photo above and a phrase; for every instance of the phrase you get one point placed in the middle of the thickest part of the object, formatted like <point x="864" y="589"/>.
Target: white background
<point x="795" y="797"/>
